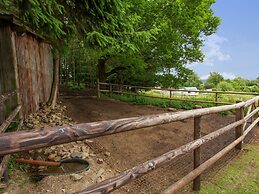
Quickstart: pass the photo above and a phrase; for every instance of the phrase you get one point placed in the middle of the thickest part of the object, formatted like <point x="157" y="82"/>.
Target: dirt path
<point x="134" y="147"/>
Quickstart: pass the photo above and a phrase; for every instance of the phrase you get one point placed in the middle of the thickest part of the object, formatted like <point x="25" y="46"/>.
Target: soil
<point x="134" y="147"/>
<point x="125" y="150"/>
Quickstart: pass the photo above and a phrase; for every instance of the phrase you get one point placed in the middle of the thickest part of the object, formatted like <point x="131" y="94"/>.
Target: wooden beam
<point x="197" y="151"/>
<point x="32" y="139"/>
<point x="10" y="118"/>
<point x="98" y="88"/>
<point x="125" y="177"/>
<point x="239" y="129"/>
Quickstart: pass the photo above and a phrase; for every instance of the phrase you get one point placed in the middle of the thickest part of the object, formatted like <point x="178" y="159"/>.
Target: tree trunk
<point x="101" y="69"/>
<point x="54" y="89"/>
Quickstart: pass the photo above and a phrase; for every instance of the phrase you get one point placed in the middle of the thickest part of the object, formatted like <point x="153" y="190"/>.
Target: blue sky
<point x="234" y="50"/>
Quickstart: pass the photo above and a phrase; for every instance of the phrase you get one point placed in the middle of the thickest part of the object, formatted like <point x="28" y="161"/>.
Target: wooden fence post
<point x="197" y="151"/>
<point x="257" y="113"/>
<point x="98" y="88"/>
<point x="170" y="102"/>
<point x="216" y="98"/>
<point x="239" y="129"/>
<point x="110" y="89"/>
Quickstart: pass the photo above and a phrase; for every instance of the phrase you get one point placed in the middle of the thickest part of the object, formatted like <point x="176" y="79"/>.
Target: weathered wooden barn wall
<point x="35" y="71"/>
<point x="7" y="72"/>
<point x="26" y="63"/>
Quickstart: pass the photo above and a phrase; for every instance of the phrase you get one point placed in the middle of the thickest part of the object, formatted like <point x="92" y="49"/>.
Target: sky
<point x="233" y="50"/>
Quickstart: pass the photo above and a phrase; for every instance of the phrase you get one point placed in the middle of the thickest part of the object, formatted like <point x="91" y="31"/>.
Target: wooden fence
<point x="13" y="142"/>
<point x="127" y="90"/>
<point x="3" y="126"/>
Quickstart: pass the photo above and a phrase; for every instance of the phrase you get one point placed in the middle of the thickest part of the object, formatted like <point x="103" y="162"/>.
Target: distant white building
<point x="192" y="91"/>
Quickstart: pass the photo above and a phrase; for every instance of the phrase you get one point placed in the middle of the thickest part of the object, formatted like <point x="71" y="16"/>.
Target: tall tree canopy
<point x="145" y="42"/>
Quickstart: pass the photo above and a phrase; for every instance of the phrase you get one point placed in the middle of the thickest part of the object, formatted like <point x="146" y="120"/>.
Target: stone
<point x="91" y="154"/>
<point x="85" y="155"/>
<point x="47" y="151"/>
<point x="107" y="154"/>
<point x="99" y="173"/>
<point x="57" y="158"/>
<point x="39" y="151"/>
<point x="76" y="155"/>
<point x="76" y="177"/>
<point x="52" y="157"/>
<point x="99" y="161"/>
<point x="31" y="151"/>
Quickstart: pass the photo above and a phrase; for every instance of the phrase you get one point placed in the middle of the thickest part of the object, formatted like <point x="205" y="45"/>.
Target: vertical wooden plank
<point x="197" y="151"/>
<point x="110" y="89"/>
<point x="239" y="130"/>
<point x="98" y="88"/>
<point x="216" y="98"/>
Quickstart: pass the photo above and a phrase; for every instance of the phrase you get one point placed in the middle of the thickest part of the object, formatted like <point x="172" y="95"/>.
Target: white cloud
<point x="213" y="50"/>
<point x="226" y="75"/>
<point x="204" y="77"/>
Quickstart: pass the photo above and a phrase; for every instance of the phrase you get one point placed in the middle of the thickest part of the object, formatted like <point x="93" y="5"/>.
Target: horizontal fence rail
<point x="3" y="128"/>
<point x="178" y="90"/>
<point x="192" y="175"/>
<point x="120" y="89"/>
<point x="13" y="142"/>
<point x="32" y="139"/>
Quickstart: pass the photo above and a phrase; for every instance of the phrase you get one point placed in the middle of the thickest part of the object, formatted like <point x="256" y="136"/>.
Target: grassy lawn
<point x="232" y="98"/>
<point x="241" y="176"/>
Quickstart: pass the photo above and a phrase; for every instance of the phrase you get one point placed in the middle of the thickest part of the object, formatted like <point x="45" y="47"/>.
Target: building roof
<point x="189" y="88"/>
<point x="17" y="24"/>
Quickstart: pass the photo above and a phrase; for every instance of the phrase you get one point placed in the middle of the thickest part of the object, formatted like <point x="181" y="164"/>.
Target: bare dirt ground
<point x="134" y="147"/>
<point x="129" y="149"/>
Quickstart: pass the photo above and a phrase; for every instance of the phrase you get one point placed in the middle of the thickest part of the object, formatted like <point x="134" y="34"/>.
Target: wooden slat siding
<point x="177" y="90"/>
<point x="35" y="65"/>
<point x="7" y="73"/>
<point x="38" y="138"/>
<point x="192" y="175"/>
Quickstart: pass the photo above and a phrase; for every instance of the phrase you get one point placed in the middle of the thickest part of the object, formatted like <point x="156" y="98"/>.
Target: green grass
<point x="241" y="176"/>
<point x="230" y="98"/>
<point x="163" y="103"/>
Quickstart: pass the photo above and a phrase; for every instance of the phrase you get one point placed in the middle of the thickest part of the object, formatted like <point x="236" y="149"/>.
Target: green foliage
<point x="13" y="165"/>
<point x="214" y="79"/>
<point x="75" y="86"/>
<point x="158" y="102"/>
<point x="193" y="80"/>
<point x="142" y="42"/>
<point x="225" y="86"/>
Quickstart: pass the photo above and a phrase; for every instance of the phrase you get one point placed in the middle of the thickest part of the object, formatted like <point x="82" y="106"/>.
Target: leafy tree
<point x="193" y="80"/>
<point x="214" y="79"/>
<point x="225" y="86"/>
